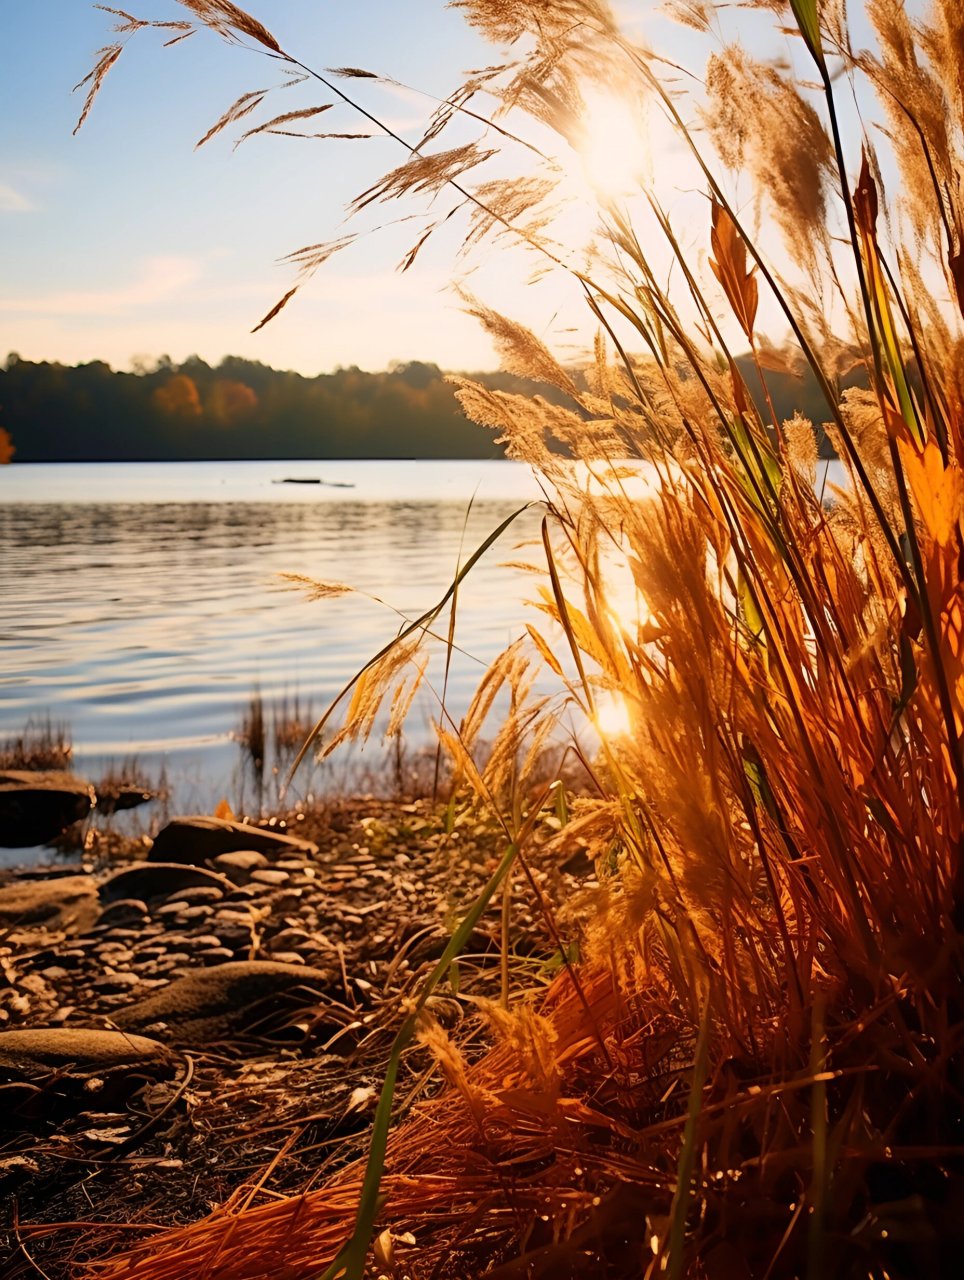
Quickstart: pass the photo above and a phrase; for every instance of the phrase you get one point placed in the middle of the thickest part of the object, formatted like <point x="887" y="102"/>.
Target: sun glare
<point x="612" y="718"/>
<point x="614" y="147"/>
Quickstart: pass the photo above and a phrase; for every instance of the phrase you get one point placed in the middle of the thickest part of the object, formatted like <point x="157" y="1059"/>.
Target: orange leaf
<point x="938" y="491"/>
<point x="729" y="267"/>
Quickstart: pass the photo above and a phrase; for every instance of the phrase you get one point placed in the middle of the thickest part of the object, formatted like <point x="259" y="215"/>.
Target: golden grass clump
<point x="754" y="1071"/>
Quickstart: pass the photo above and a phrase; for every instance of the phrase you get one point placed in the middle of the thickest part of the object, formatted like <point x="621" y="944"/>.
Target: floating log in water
<point x="330" y="484"/>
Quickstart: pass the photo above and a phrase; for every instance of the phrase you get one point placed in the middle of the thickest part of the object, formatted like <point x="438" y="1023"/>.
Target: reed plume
<point x="755" y="1068"/>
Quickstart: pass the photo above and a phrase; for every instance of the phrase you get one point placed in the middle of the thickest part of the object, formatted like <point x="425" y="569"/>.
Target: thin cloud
<point x="14" y="201"/>
<point x="160" y="279"/>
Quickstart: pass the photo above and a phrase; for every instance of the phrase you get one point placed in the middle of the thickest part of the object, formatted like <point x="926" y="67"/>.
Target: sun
<point x="613" y="145"/>
<point x="612" y="718"/>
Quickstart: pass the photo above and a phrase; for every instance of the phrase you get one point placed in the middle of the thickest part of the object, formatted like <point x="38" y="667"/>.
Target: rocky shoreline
<point x="220" y="1002"/>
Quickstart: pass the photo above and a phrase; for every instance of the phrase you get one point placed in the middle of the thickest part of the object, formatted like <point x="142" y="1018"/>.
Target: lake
<point x="142" y="604"/>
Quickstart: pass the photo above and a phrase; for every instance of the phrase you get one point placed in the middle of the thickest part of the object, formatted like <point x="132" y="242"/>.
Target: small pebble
<point x="201" y="893"/>
<point x="116" y="954"/>
<point x="199" y="912"/>
<point x="124" y="911"/>
<point x="270" y="876"/>
<point x="115" y="983"/>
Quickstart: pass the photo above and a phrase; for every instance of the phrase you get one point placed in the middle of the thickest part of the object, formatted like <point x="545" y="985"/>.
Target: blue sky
<point x="125" y="241"/>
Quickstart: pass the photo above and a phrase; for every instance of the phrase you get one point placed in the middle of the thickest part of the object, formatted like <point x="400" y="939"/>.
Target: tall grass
<point x="755" y="1070"/>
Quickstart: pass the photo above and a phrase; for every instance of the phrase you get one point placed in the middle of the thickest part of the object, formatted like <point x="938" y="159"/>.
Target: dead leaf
<point x="730" y="269"/>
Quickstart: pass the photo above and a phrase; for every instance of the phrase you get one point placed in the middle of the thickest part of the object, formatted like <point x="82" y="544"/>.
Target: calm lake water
<point x="141" y="604"/>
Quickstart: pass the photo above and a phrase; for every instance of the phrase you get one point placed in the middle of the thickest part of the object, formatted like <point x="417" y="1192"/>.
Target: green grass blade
<point x="351" y="1259"/>
<point x="807" y="15"/>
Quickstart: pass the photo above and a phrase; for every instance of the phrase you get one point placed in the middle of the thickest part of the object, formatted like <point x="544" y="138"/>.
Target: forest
<point x="239" y="409"/>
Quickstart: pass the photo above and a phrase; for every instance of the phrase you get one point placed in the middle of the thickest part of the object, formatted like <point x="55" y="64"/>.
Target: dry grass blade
<point x="313" y="588"/>
<point x="106" y="59"/>
<point x="230" y="21"/>
<point x="276" y="309"/>
<point x="238" y="109"/>
<point x="352" y="73"/>
<point x="312" y="256"/>
<point x="305" y="113"/>
<point x="425" y="173"/>
<point x="421" y="625"/>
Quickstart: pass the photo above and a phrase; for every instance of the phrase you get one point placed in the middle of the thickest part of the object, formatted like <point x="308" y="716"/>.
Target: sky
<point x="124" y="242"/>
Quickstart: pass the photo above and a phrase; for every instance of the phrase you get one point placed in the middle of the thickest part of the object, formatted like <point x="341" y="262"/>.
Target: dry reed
<point x="755" y="1070"/>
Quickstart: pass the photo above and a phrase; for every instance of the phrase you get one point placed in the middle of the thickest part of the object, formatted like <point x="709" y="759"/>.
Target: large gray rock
<point x="200" y="839"/>
<point x="67" y="903"/>
<point x="154" y="881"/>
<point x="215" y="1003"/>
<point x="36" y="806"/>
<point x="39" y="1051"/>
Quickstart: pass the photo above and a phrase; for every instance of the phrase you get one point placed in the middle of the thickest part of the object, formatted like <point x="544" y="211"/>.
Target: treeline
<point x="243" y="409"/>
<point x="238" y="409"/>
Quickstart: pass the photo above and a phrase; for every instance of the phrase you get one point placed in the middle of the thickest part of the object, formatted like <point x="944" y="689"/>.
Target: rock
<point x="273" y="878"/>
<point x="240" y="865"/>
<point x="193" y="914"/>
<point x="123" y="911"/>
<point x="66" y="903"/>
<point x="114" y="953"/>
<point x="116" y="983"/>
<point x="119" y="797"/>
<point x="38" y="1052"/>
<point x="213" y="1003"/>
<point x="36" y="806"/>
<point x="153" y="881"/>
<point x="200" y="894"/>
<point x="170" y="910"/>
<point x="196" y="840"/>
